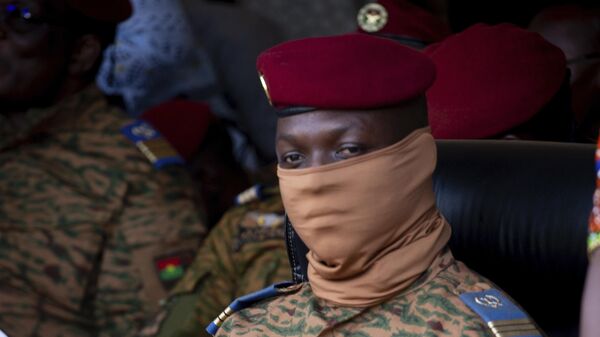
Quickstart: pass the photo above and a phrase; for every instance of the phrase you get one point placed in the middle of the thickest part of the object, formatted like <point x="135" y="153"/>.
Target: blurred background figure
<point x="97" y="216"/>
<point x="575" y="29"/>
<point x="499" y="82"/>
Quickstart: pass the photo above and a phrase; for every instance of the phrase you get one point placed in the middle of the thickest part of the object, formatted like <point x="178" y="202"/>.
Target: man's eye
<point x="348" y="151"/>
<point x="292" y="158"/>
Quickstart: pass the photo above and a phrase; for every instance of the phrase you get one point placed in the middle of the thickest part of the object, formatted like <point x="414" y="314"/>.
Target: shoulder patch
<point x="500" y="314"/>
<point x="254" y="193"/>
<point x="261" y="219"/>
<point x="243" y="302"/>
<point x="259" y="227"/>
<point x="170" y="268"/>
<point x="152" y="144"/>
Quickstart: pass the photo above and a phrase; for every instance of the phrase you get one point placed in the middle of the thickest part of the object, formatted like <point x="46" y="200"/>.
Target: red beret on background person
<point x="206" y="146"/>
<point x="411" y="24"/>
<point x="499" y="81"/>
<point x="183" y="123"/>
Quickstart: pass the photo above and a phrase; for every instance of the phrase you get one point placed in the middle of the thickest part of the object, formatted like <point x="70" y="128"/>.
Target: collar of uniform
<point x="19" y="127"/>
<point x="441" y="262"/>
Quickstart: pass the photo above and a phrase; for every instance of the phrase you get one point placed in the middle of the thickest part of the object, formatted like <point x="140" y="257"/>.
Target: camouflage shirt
<point x="85" y="221"/>
<point x="245" y="252"/>
<point x="430" y="307"/>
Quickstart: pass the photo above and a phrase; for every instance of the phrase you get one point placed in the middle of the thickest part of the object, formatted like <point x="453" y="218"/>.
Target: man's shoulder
<point x="280" y="301"/>
<point x="84" y="156"/>
<point x="254" y="220"/>
<point x="249" y="236"/>
<point x="259" y="221"/>
<point x="459" y="300"/>
<point x="89" y="125"/>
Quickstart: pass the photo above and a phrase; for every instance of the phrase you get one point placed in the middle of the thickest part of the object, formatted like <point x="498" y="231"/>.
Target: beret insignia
<point x="372" y="17"/>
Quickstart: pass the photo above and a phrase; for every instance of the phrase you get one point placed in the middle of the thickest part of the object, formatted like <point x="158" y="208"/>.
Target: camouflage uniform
<point x="84" y="219"/>
<point x="245" y="252"/>
<point x="430" y="307"/>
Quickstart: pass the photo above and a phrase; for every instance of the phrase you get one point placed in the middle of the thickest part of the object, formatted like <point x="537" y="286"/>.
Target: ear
<point x="85" y="53"/>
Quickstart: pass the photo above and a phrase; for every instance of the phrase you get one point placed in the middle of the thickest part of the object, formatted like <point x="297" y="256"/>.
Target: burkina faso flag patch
<point x="171" y="268"/>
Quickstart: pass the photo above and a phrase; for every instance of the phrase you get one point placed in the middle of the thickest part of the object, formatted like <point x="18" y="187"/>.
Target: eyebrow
<point x="286" y="137"/>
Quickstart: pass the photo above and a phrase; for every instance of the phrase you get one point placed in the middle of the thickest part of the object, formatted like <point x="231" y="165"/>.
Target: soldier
<point x="355" y="171"/>
<point x="97" y="220"/>
<point x="243" y="253"/>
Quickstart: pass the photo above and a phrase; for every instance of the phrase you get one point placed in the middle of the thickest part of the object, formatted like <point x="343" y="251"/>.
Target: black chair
<point x="519" y="214"/>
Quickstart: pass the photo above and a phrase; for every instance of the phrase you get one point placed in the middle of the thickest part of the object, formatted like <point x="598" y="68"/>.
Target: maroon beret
<point x="491" y="79"/>
<point x="103" y="10"/>
<point x="183" y="123"/>
<point x="400" y="18"/>
<point x="345" y="72"/>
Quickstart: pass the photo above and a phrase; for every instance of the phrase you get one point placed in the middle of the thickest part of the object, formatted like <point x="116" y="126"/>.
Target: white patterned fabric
<point x="155" y="57"/>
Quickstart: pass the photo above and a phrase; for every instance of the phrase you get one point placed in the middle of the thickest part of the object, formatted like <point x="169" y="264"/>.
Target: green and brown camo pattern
<point x="244" y="253"/>
<point x="430" y="307"/>
<point x="83" y="216"/>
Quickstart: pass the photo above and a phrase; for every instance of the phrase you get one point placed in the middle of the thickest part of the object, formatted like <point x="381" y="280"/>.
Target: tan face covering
<point x="370" y="222"/>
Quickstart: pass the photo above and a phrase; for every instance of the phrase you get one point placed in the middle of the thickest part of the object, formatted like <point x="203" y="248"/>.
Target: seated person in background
<point x="92" y="234"/>
<point x="499" y="82"/>
<point x="590" y="307"/>
<point x="246" y="251"/>
<point x="355" y="171"/>
<point x="575" y="30"/>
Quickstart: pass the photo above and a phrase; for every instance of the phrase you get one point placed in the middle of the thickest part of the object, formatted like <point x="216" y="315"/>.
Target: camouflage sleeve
<point x="91" y="236"/>
<point x="237" y="258"/>
<point x="51" y="237"/>
<point x="152" y="241"/>
<point x="253" y="258"/>
<point x="183" y="314"/>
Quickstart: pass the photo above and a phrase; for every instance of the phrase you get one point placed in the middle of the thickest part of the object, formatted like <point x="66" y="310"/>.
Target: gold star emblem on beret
<point x="372" y="17"/>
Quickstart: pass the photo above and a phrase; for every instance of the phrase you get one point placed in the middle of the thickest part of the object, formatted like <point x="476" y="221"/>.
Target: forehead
<point x="325" y="121"/>
<point x="379" y="123"/>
